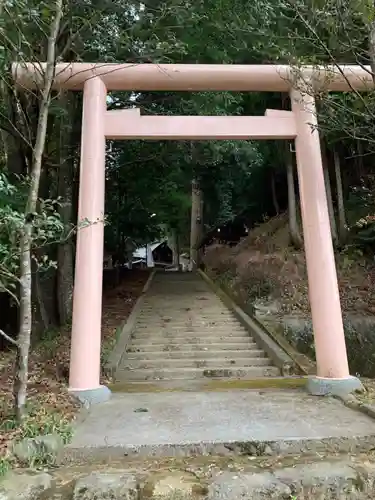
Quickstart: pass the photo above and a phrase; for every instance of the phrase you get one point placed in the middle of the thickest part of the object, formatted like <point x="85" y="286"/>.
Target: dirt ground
<point x="50" y="407"/>
<point x="265" y="266"/>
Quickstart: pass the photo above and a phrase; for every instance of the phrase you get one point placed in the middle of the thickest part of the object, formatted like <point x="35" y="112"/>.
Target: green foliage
<point x="5" y="465"/>
<point x="46" y="227"/>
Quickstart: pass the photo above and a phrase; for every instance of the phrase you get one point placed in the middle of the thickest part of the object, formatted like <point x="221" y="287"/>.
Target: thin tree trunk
<point x="40" y="300"/>
<point x="327" y="183"/>
<point x="24" y="337"/>
<point x="330" y="205"/>
<point x="295" y="234"/>
<point x="178" y="250"/>
<point x="65" y="280"/>
<point x="172" y="240"/>
<point x="371" y="45"/>
<point x="65" y="269"/>
<point x="360" y="163"/>
<point x="195" y="229"/>
<point x="274" y="194"/>
<point x="200" y="228"/>
<point x="129" y="255"/>
<point x="340" y="197"/>
<point x="3" y="134"/>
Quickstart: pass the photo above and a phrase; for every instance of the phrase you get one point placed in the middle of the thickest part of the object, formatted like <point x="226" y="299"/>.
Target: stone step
<point x="168" y="327"/>
<point x="156" y="345"/>
<point x="186" y="305"/>
<point x="183" y="301"/>
<point x="189" y="338"/>
<point x="184" y="298"/>
<point x="190" y="330"/>
<point x="190" y="293"/>
<point x="184" y="316"/>
<point x="185" y="332"/>
<point x="194" y="354"/>
<point x="175" y="315"/>
<point x="183" y="320"/>
<point x="191" y="313"/>
<point x="198" y="362"/>
<point x="158" y="288"/>
<point x="207" y="341"/>
<point x="196" y="373"/>
<point x="188" y="320"/>
<point x="188" y="325"/>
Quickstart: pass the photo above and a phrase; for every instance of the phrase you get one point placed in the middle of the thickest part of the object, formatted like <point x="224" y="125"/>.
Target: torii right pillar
<point x="333" y="375"/>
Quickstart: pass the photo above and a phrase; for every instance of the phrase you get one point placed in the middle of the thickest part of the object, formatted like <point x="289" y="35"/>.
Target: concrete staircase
<point x="184" y="332"/>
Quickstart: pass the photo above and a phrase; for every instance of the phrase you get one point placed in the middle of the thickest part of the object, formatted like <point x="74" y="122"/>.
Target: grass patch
<point x="5" y="465"/>
<point x="45" y="416"/>
<point x="39" y="421"/>
<point x="50" y="408"/>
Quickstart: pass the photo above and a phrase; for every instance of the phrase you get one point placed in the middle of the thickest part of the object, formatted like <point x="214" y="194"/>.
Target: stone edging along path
<point x="278" y="355"/>
<point x="353" y="403"/>
<point x="126" y="331"/>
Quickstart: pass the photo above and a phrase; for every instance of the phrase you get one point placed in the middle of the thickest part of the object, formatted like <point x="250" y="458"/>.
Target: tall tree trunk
<point x="200" y="228"/>
<point x="360" y="163"/>
<point x="129" y="256"/>
<point x="196" y="223"/>
<point x="178" y="250"/>
<point x="65" y="267"/>
<point x="274" y="194"/>
<point x="295" y="234"/>
<point x="371" y="44"/>
<point x="173" y="243"/>
<point x="340" y="197"/>
<point x="39" y="297"/>
<point x="327" y="183"/>
<point x="65" y="271"/>
<point x="24" y="336"/>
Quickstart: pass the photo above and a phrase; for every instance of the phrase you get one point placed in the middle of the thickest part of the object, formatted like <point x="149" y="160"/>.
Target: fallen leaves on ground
<point x="264" y="266"/>
<point x="50" y="406"/>
<point x="367" y="397"/>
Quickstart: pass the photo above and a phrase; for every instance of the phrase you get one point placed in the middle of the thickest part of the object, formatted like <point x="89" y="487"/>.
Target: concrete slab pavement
<point x="248" y="422"/>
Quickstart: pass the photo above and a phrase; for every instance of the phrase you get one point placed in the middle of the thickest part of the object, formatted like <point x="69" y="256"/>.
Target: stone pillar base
<point x="90" y="397"/>
<point x="319" y="386"/>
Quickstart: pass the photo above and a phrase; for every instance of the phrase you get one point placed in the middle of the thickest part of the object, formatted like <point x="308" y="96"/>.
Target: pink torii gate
<point x="299" y="124"/>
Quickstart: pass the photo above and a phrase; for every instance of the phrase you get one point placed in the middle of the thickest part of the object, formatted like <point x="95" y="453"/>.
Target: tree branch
<point x="9" y="339"/>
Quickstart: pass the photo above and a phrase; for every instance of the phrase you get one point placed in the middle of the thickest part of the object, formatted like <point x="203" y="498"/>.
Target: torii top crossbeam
<point x="196" y="77"/>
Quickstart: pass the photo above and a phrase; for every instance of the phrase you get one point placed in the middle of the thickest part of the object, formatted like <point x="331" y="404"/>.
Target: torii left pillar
<point x="84" y="378"/>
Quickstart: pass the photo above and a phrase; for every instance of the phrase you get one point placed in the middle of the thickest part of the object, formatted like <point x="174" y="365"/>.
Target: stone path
<point x="236" y="421"/>
<point x="184" y="332"/>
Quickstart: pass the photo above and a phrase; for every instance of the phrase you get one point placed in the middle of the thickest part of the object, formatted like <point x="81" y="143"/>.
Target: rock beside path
<point x="325" y="480"/>
<point x="49" y="447"/>
<point x="107" y="486"/>
<point x="25" y="486"/>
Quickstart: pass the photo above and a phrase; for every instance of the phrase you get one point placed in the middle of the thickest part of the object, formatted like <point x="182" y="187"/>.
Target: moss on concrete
<point x="212" y="385"/>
